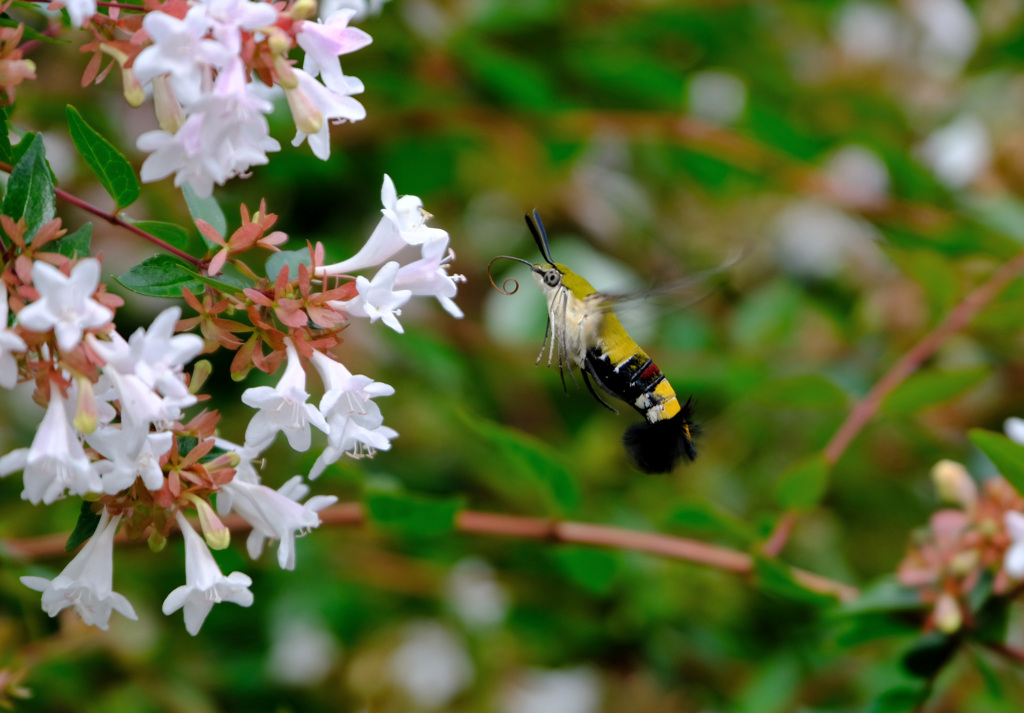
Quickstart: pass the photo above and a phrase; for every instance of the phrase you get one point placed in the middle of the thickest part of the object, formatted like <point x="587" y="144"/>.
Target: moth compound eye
<point x="552" y="277"/>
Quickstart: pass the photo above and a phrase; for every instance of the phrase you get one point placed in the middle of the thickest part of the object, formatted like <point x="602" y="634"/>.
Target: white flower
<point x="361" y="8"/>
<point x="229" y="16"/>
<point x="56" y="461"/>
<point x="377" y="298"/>
<point x="323" y="42"/>
<point x="431" y="665"/>
<point x="224" y="136"/>
<point x="1013" y="561"/>
<point x="312" y="97"/>
<point x="129" y="455"/>
<point x="355" y="421"/>
<point x="156" y="355"/>
<point x="283" y="408"/>
<point x="275" y="514"/>
<point x="475" y="594"/>
<point x="79" y="11"/>
<point x="65" y="303"/>
<point x="9" y="342"/>
<point x="403" y="223"/>
<point x="245" y="471"/>
<point x="181" y="50"/>
<point x="1014" y="428"/>
<point x="87" y="582"/>
<point x="205" y="585"/>
<point x="429" y="276"/>
<point x="571" y="690"/>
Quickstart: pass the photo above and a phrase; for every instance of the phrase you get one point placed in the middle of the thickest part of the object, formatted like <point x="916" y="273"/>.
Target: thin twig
<point x="530" y="528"/>
<point x="118" y="221"/>
<point x="867" y="407"/>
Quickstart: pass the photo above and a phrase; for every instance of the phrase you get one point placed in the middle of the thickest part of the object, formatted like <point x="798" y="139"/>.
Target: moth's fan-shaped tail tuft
<point x="659" y="447"/>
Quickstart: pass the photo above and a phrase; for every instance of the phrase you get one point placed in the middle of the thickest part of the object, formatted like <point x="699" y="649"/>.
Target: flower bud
<point x="278" y="41"/>
<point x="947" y="614"/>
<point x="156" y="540"/>
<point x="285" y="75"/>
<point x="217" y="536"/>
<point x="134" y="94"/>
<point x="165" y="103"/>
<point x="200" y="373"/>
<point x="954" y="484"/>
<point x="308" y="118"/>
<point x="86" y="414"/>
<point x="302" y="9"/>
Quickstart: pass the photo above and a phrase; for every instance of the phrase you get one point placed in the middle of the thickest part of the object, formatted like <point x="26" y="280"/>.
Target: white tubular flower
<point x="56" y="461"/>
<point x="377" y="298"/>
<point x="332" y="106"/>
<point x="79" y="11"/>
<point x="129" y="455"/>
<point x="205" y="585"/>
<point x="181" y="51"/>
<point x="283" y="408"/>
<point x="227" y="17"/>
<point x="225" y="135"/>
<point x="277" y="514"/>
<point x="1013" y="561"/>
<point x="403" y="222"/>
<point x="356" y="424"/>
<point x="428" y="276"/>
<point x="65" y="303"/>
<point x="87" y="582"/>
<point x="324" y="42"/>
<point x="9" y="342"/>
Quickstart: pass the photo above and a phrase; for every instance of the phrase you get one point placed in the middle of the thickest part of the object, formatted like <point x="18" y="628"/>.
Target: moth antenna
<point x="540" y="235"/>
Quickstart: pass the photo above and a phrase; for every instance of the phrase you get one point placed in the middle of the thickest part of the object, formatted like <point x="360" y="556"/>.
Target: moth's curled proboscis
<point x="505" y="289"/>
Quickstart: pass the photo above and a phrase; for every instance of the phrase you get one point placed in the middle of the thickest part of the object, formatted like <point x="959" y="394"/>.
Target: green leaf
<point x="520" y="455"/>
<point x="161" y="276"/>
<point x="903" y="699"/>
<point x="930" y="654"/>
<point x="30" y="193"/>
<point x="412" y="515"/>
<point x="291" y="258"/>
<point x="172" y="234"/>
<point x="592" y="569"/>
<point x="76" y="244"/>
<point x="6" y="153"/>
<point x="206" y="209"/>
<point x="115" y="173"/>
<point x="804" y="391"/>
<point x="30" y="33"/>
<point x="1007" y="456"/>
<point x="775" y="578"/>
<point x="701" y="517"/>
<point x="802" y="485"/>
<point x="931" y="387"/>
<point x="885" y="595"/>
<point x="84" y="528"/>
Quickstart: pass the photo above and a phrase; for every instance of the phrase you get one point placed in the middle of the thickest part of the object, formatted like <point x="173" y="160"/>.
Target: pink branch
<point x="529" y="528"/>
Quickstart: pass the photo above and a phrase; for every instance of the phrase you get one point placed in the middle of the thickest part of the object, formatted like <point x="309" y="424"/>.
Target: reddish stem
<point x="529" y="528"/>
<point x="866" y="408"/>
<point x="118" y="221"/>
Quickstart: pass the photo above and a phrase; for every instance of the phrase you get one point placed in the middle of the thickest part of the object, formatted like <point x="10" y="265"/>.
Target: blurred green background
<point x="864" y="159"/>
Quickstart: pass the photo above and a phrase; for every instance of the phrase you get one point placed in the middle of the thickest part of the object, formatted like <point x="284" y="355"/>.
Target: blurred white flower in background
<point x="431" y="665"/>
<point x="857" y="176"/>
<point x="475" y="594"/>
<point x="958" y="152"/>
<point x="302" y="652"/>
<point x="716" y="96"/>
<point x="870" y="32"/>
<point x="816" y="239"/>
<point x="570" y="690"/>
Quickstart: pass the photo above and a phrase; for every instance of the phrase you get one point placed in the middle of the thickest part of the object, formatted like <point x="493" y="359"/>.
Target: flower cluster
<point x="115" y="430"/>
<point x="984" y="533"/>
<point x="210" y="66"/>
